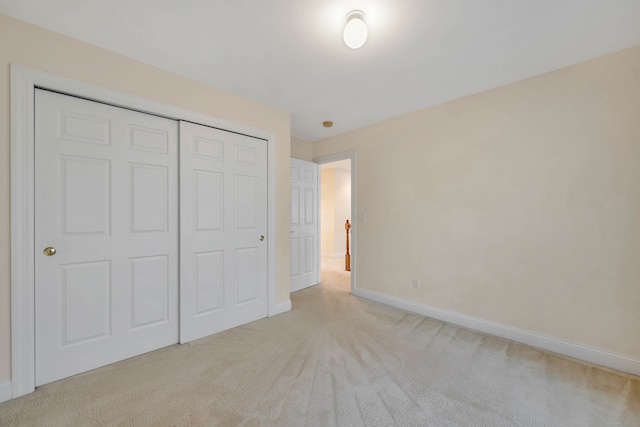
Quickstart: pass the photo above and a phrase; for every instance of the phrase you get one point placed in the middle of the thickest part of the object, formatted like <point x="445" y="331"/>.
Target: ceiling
<point x="289" y="53"/>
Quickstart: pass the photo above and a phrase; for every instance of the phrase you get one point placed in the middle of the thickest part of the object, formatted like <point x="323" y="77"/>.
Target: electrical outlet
<point x="415" y="283"/>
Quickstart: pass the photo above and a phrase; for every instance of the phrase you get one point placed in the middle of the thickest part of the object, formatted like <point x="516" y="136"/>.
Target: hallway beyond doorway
<point x="337" y="204"/>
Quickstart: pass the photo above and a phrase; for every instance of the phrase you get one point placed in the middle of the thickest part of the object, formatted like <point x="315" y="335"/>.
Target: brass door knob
<point x="261" y="237"/>
<point x="50" y="251"/>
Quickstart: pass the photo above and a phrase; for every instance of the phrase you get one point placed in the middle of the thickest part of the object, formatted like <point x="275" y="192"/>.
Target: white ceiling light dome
<point x="355" y="31"/>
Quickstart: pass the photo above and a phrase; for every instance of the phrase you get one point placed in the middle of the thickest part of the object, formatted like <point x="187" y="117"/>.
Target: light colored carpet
<point x="337" y="360"/>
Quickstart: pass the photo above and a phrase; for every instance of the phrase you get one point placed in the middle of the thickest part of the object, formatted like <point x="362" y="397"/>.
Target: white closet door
<point x="106" y="200"/>
<point x="223" y="222"/>
<point x="304" y="225"/>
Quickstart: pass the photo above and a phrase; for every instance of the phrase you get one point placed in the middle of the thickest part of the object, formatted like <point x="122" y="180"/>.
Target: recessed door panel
<point x="295" y="173"/>
<point x="148" y="139"/>
<point x="309" y="174"/>
<point x="208" y="149"/>
<point x="310" y="255"/>
<point x="208" y="200"/>
<point x="149" y="291"/>
<point x="295" y="256"/>
<point x="295" y="206"/>
<point x="85" y="200"/>
<point x="246" y="199"/>
<point x="209" y="272"/>
<point x="80" y="127"/>
<point x="149" y="198"/>
<point x="310" y="206"/>
<point x="245" y="155"/>
<point x="246" y="274"/>
<point x="86" y="301"/>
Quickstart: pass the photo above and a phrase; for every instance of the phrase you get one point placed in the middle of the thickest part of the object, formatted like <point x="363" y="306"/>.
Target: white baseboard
<point x="333" y="256"/>
<point x="280" y="308"/>
<point x="588" y="354"/>
<point x="5" y="391"/>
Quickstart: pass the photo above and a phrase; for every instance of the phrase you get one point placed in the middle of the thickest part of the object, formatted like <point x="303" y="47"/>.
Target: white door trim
<point x="23" y="83"/>
<point x="350" y="154"/>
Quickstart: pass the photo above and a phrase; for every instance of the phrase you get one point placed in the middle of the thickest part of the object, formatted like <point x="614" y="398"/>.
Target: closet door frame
<point x="24" y="80"/>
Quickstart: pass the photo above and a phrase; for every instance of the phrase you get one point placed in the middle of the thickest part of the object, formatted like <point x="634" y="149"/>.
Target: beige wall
<point x="27" y="45"/>
<point x="520" y="205"/>
<point x="301" y="149"/>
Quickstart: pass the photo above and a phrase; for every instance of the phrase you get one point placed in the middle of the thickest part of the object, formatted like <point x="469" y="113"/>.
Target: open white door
<point x="106" y="234"/>
<point x="305" y="270"/>
<point x="223" y="230"/>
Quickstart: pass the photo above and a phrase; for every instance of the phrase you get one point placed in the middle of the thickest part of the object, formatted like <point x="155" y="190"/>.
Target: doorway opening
<point x="337" y="260"/>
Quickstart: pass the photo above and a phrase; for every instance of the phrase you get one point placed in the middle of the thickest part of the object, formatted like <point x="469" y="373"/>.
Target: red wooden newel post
<point x="347" y="257"/>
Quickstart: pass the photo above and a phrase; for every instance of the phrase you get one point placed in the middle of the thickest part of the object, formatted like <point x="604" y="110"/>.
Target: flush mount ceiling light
<point x="355" y="31"/>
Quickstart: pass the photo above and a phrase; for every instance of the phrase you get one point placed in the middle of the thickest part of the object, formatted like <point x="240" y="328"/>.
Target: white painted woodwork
<point x="106" y="199"/>
<point x="304" y="225"/>
<point x="223" y="202"/>
<point x="24" y="82"/>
